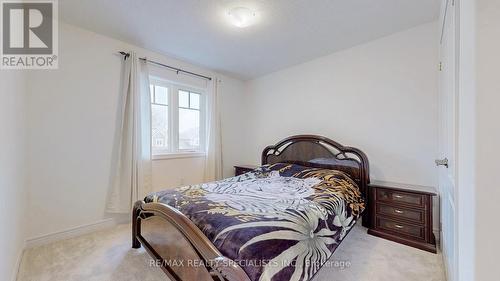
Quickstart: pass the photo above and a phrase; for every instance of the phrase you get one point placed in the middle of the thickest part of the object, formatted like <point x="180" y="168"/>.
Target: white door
<point x="448" y="93"/>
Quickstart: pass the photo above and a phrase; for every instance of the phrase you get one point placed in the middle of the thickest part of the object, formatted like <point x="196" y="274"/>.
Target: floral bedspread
<point x="279" y="222"/>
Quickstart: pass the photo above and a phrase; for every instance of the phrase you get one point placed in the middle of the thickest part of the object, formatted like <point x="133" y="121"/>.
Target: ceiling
<point x="288" y="32"/>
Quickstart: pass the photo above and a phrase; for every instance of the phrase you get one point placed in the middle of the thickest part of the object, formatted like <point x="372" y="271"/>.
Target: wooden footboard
<point x="219" y="267"/>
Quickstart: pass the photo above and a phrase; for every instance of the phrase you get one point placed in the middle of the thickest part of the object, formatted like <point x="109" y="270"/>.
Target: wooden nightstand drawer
<point x="391" y="196"/>
<point x="414" y="215"/>
<point x="416" y="231"/>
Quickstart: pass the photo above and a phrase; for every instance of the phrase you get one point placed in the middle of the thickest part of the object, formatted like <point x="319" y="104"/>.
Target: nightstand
<point x="241" y="169"/>
<point x="402" y="213"/>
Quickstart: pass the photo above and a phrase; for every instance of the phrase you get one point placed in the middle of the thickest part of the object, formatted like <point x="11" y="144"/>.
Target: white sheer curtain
<point x="133" y="175"/>
<point x="213" y="161"/>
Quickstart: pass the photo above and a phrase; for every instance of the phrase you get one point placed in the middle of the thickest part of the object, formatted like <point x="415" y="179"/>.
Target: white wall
<point x="177" y="172"/>
<point x="72" y="118"/>
<point x="380" y="97"/>
<point x="487" y="189"/>
<point x="12" y="167"/>
<point x="233" y="111"/>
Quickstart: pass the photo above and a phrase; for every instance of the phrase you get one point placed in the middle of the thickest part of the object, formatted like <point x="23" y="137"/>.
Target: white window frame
<point x="173" y="150"/>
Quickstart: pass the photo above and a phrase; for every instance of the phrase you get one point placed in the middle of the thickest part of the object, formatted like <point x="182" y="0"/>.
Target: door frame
<point x="466" y="139"/>
<point x="448" y="135"/>
<point x="465" y="158"/>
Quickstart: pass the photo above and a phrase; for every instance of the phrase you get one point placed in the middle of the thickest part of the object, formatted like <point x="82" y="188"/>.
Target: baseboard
<point x="18" y="263"/>
<point x="70" y="233"/>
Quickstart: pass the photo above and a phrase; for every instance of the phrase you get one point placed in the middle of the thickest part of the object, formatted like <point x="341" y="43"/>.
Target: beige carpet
<point x="107" y="256"/>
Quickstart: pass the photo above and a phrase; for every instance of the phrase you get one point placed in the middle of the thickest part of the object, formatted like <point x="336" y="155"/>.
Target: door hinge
<point x="440" y="66"/>
<point x="442" y="162"/>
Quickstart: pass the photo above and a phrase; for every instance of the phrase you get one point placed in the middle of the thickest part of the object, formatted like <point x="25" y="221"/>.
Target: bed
<point x="282" y="221"/>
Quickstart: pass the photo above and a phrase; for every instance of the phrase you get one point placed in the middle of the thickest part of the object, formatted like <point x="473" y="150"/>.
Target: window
<point x="159" y="119"/>
<point x="189" y="120"/>
<point x="177" y="118"/>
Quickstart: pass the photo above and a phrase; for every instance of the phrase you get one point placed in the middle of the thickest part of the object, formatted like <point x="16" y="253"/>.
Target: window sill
<point x="179" y="155"/>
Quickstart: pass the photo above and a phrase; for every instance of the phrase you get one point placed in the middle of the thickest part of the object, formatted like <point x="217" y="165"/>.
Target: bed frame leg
<point x="136" y="224"/>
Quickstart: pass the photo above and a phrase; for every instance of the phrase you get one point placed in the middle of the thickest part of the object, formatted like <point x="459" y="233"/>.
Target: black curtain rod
<point x="178" y="70"/>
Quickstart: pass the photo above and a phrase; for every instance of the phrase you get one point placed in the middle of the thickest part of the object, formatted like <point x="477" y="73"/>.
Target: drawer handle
<point x="398" y="211"/>
<point x="399" y="226"/>
<point x="398" y="196"/>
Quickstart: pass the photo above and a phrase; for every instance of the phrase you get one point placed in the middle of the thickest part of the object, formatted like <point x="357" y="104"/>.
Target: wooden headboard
<point x="320" y="152"/>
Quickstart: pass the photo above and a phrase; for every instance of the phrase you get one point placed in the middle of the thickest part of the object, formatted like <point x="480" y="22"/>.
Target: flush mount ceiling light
<point x="241" y="17"/>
